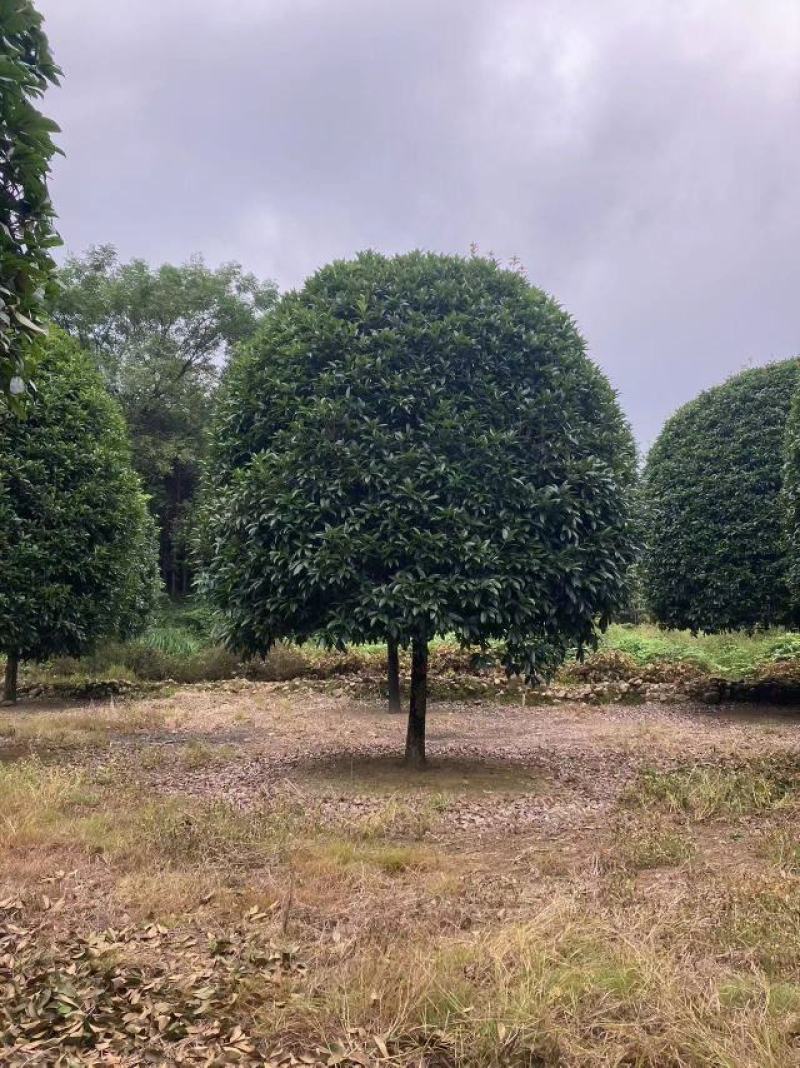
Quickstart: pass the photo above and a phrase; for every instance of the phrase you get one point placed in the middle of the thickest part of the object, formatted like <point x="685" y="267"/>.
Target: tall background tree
<point x="76" y="538"/>
<point x="26" y="213"/>
<point x="715" y="556"/>
<point x="413" y="447"/>
<point x="160" y="337"/>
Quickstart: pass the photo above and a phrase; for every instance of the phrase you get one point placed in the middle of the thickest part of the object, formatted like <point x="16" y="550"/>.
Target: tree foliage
<point x="26" y="214"/>
<point x="76" y="538"/>
<point x="160" y="336"/>
<point x="715" y="558"/>
<point x="419" y="446"/>
<point x="791" y="500"/>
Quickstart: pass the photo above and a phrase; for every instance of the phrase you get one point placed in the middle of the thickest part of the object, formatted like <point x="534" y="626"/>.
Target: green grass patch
<point x="728" y="655"/>
<point x="705" y="792"/>
<point x="344" y="853"/>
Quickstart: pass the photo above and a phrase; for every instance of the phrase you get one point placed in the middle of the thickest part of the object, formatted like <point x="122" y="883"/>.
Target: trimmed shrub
<point x="791" y="501"/>
<point x="76" y="539"/>
<point x="715" y="555"/>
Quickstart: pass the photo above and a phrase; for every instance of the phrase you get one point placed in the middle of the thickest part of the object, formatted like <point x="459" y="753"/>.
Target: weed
<point x="342" y="853"/>
<point x="197" y="754"/>
<point x="39" y="804"/>
<point x="400" y="819"/>
<point x="759" y="920"/>
<point x="282" y="662"/>
<point x="79" y="729"/>
<point x="183" y="832"/>
<point x="640" y="845"/>
<point x="704" y="792"/>
<point x="105" y="815"/>
<point x="783" y="847"/>
<point x="729" y="655"/>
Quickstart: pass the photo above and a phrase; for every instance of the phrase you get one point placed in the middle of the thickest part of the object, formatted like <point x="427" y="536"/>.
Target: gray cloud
<point x="641" y="159"/>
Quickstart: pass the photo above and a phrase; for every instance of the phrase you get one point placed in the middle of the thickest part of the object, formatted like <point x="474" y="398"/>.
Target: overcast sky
<point x="641" y="157"/>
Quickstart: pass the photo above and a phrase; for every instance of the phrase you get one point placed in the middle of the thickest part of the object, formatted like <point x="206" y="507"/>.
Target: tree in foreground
<point x="715" y="556"/>
<point x="26" y="214"/>
<point x="413" y="447"/>
<point x="160" y="337"/>
<point x="76" y="539"/>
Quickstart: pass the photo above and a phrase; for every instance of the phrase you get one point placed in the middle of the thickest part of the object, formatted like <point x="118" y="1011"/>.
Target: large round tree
<point x="412" y="447"/>
<point x="76" y="540"/>
<point x="715" y="558"/>
<point x="791" y="500"/>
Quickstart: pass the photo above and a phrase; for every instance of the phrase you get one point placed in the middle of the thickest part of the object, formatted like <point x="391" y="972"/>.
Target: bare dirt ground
<point x="564" y="885"/>
<point x="513" y="770"/>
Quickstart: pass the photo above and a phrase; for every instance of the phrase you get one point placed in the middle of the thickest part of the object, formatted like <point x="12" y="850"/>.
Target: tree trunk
<point x="12" y="670"/>
<point x="393" y="674"/>
<point x="415" y="737"/>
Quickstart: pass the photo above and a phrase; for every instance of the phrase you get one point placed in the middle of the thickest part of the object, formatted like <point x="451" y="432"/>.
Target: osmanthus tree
<point x="418" y="446"/>
<point x="715" y="556"/>
<point x="76" y="538"/>
<point x="791" y="500"/>
<point x="26" y="213"/>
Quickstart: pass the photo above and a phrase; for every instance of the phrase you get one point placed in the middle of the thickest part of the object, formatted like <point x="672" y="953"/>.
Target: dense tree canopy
<point x="76" y="539"/>
<point x="791" y="501"/>
<point x="419" y="446"/>
<point x="26" y="214"/>
<point x="715" y="557"/>
<point x="160" y="336"/>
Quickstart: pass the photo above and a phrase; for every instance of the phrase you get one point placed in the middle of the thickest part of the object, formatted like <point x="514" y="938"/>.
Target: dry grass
<point x="640" y="845"/>
<point x="39" y="805"/>
<point x="78" y="728"/>
<point x="782" y="846"/>
<point x="168" y="895"/>
<point x="324" y="858"/>
<point x="569" y="987"/>
<point x="663" y="932"/>
<point x="45" y="806"/>
<point x="199" y="754"/>
<point x="706" y="792"/>
<point x="394" y="818"/>
<point x="758" y="924"/>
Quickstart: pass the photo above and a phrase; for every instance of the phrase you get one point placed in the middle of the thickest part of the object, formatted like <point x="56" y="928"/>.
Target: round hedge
<point x="791" y="501"/>
<point x="76" y="539"/>
<point x="415" y="446"/>
<point x="715" y="556"/>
